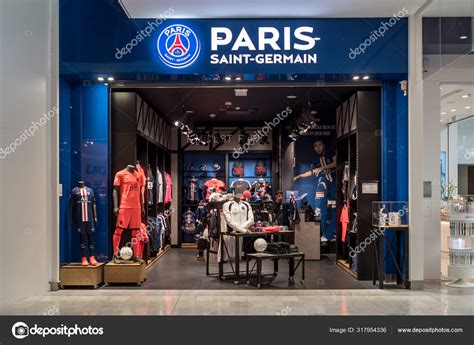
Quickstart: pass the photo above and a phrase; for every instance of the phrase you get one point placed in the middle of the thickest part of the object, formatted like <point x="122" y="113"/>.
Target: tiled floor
<point x="434" y="300"/>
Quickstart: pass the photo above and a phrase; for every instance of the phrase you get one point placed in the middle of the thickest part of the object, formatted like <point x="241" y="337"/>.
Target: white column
<point x="415" y="152"/>
<point x="431" y="172"/>
<point x="28" y="177"/>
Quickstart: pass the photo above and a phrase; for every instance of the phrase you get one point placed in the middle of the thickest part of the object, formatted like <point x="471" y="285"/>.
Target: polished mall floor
<point x="331" y="292"/>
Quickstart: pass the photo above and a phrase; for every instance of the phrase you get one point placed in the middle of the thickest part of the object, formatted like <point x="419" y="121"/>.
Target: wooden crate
<point x="132" y="273"/>
<point x="77" y="275"/>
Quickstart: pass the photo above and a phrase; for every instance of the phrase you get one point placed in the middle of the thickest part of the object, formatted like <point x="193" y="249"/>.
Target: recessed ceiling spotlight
<point x="212" y="116"/>
<point x="365" y="77"/>
<point x="100" y="78"/>
<point x="291" y="97"/>
<point x="356" y="77"/>
<point x="238" y="77"/>
<point x="463" y="37"/>
<point x="465" y="96"/>
<point x="443" y="113"/>
<point x="467" y="107"/>
<point x="453" y="110"/>
<point x="237" y="108"/>
<point x="110" y="78"/>
<point x="176" y="123"/>
<point x="189" y="111"/>
<point x="228" y="77"/>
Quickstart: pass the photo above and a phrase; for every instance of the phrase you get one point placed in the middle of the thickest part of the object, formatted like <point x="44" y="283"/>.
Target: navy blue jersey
<point x="325" y="159"/>
<point x="82" y="200"/>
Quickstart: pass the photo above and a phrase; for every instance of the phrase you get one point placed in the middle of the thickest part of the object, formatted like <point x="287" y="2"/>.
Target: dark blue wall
<point x="394" y="153"/>
<point x="84" y="148"/>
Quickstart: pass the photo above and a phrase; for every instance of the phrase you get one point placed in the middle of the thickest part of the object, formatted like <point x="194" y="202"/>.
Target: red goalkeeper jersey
<point x="129" y="185"/>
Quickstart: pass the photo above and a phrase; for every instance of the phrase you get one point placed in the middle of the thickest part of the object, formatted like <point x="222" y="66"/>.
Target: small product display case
<point x="390" y="214"/>
<point x="460" y="212"/>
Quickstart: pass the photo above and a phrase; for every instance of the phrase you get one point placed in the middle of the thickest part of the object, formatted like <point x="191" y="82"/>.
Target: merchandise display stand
<point x="389" y="217"/>
<point x="237" y="236"/>
<point x="132" y="273"/>
<point x="399" y="259"/>
<point x="75" y="274"/>
<point x="461" y="241"/>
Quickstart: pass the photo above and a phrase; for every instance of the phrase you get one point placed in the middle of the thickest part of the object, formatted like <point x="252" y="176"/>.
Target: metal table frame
<point x="400" y="261"/>
<point x="259" y="257"/>
<point x="235" y="274"/>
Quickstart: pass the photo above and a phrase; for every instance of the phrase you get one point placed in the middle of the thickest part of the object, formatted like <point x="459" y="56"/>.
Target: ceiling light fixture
<point x="365" y="77"/>
<point x="110" y="78"/>
<point x="467" y="107"/>
<point x="228" y="78"/>
<point x="465" y="96"/>
<point x="291" y="97"/>
<point x="356" y="77"/>
<point x="463" y="37"/>
<point x="443" y="113"/>
<point x="100" y="78"/>
<point x="453" y="110"/>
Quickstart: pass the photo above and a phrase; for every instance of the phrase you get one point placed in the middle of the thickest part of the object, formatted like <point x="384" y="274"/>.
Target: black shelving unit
<point x="358" y="144"/>
<point x="132" y="140"/>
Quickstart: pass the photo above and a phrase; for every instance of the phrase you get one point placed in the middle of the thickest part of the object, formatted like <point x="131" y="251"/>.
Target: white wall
<point x="431" y="172"/>
<point x="28" y="229"/>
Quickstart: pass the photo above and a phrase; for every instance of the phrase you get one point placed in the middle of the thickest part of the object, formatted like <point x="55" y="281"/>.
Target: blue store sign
<point x="110" y="42"/>
<point x="283" y="46"/>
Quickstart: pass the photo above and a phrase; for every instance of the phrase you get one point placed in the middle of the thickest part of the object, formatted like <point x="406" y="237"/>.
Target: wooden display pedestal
<point x="77" y="275"/>
<point x="132" y="273"/>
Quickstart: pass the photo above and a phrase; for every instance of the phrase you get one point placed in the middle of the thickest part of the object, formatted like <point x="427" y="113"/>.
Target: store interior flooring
<point x="178" y="269"/>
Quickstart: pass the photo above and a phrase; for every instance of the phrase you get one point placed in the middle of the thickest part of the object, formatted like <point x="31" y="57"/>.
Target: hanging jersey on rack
<point x="150" y="181"/>
<point x="260" y="167"/>
<point x="238" y="168"/>
<point x="159" y="186"/>
<point x="189" y="221"/>
<point x="192" y="191"/>
<point x="168" y="188"/>
<point x="239" y="186"/>
<point x="217" y="185"/>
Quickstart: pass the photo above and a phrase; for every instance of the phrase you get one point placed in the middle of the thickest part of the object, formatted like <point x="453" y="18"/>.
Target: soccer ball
<point x="126" y="253"/>
<point x="260" y="245"/>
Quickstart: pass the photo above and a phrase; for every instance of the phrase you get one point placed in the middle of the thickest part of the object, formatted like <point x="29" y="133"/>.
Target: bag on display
<point x="260" y="167"/>
<point x="278" y="248"/>
<point x="238" y="168"/>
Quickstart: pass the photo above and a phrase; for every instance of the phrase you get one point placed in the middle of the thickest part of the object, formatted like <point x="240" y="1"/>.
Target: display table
<point x="237" y="236"/>
<point x="259" y="257"/>
<point x="132" y="273"/>
<point x="399" y="259"/>
<point x="77" y="275"/>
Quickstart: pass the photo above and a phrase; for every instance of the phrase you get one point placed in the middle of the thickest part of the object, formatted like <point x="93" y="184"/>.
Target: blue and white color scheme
<point x="178" y="46"/>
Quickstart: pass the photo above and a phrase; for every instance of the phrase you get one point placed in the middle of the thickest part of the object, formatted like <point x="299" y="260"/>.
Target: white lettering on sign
<point x="268" y="38"/>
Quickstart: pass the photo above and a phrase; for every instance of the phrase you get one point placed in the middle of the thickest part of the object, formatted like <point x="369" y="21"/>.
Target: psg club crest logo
<point x="178" y="46"/>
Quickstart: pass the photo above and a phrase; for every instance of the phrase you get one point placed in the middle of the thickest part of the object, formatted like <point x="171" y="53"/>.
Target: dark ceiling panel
<point x="261" y="103"/>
